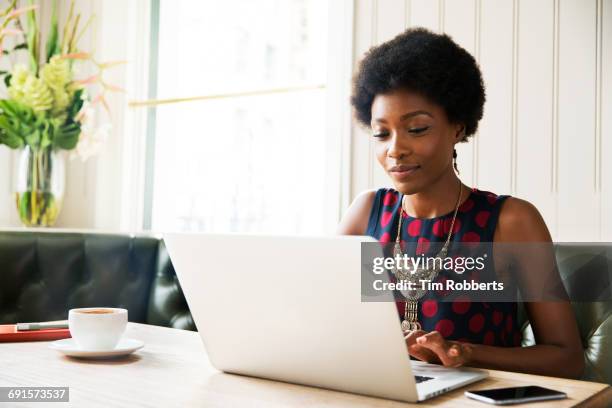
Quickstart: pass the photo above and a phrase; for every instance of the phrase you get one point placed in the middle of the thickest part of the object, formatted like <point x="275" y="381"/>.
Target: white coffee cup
<point x="97" y="328"/>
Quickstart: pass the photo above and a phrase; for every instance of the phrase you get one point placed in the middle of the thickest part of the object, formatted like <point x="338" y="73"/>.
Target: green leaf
<point x="11" y="141"/>
<point x="22" y="46"/>
<point x="24" y="205"/>
<point x="46" y="136"/>
<point x="7" y="125"/>
<point x="18" y="124"/>
<point x="67" y="137"/>
<point x="9" y="106"/>
<point x="32" y="38"/>
<point x="75" y="106"/>
<point x="8" y="131"/>
<point x="53" y="46"/>
<point x="33" y="139"/>
<point x="7" y="80"/>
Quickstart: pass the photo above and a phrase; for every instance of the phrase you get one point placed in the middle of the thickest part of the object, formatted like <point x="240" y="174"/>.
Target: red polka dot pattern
<point x="386" y="217"/>
<point x="470" y="237"/>
<point x="466" y="206"/>
<point x="445" y="327"/>
<point x="482" y="217"/>
<point x="442" y="227"/>
<point x="443" y="292"/>
<point x="456" y="226"/>
<point x="461" y="306"/>
<point x="414" y="228"/>
<point x="463" y="318"/>
<point x="422" y="246"/>
<point x="497" y="317"/>
<point x="429" y="308"/>
<point x="437" y="229"/>
<point x="476" y="323"/>
<point x="390" y="199"/>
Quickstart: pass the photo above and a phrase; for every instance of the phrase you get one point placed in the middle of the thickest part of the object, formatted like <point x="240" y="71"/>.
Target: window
<point x="249" y="150"/>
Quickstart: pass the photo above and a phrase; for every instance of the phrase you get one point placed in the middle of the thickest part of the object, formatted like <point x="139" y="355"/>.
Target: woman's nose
<point x="396" y="149"/>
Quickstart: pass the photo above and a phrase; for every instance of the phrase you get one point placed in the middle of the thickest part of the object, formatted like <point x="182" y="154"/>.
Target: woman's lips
<point x="404" y="171"/>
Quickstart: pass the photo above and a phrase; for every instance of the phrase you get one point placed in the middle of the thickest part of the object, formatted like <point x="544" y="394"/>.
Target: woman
<point x="421" y="94"/>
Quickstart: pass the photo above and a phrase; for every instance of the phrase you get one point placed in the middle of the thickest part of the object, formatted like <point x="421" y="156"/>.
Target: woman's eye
<point x="381" y="134"/>
<point x="418" y="130"/>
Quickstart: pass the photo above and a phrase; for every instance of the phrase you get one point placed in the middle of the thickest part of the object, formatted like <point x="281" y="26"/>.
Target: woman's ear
<point x="460" y="133"/>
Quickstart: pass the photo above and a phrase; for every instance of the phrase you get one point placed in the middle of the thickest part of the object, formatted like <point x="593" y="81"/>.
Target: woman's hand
<point x="433" y="348"/>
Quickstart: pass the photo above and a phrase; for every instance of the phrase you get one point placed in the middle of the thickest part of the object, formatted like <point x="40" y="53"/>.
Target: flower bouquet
<point x="47" y="110"/>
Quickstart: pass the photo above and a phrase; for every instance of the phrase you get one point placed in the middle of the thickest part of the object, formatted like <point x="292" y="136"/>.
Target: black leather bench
<point x="44" y="274"/>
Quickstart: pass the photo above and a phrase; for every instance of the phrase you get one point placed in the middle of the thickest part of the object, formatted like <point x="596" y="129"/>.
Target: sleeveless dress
<point x="491" y="323"/>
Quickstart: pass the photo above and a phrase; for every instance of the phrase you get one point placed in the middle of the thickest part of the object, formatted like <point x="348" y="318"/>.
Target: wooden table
<point x="172" y="370"/>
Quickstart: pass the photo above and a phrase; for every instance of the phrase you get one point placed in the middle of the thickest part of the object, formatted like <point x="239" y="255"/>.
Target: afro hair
<point x="421" y="61"/>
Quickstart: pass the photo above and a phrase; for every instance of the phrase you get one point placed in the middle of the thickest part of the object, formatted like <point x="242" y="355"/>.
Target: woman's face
<point x="413" y="139"/>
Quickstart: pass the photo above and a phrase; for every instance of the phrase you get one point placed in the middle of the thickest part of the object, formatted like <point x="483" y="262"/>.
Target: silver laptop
<point x="290" y="309"/>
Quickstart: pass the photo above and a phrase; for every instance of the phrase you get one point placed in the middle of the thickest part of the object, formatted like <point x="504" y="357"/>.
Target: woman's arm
<point x="355" y="221"/>
<point x="558" y="349"/>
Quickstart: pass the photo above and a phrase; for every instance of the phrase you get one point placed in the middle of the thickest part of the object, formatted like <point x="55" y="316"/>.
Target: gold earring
<point x="455" y="161"/>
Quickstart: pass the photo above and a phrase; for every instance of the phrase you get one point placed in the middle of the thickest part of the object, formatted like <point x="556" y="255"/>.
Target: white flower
<point x="92" y="138"/>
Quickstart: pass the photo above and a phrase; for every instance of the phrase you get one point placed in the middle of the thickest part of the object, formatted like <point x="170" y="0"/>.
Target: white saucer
<point x="69" y="347"/>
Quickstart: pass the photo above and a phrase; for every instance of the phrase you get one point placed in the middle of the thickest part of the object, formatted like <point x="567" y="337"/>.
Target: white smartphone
<point x="515" y="395"/>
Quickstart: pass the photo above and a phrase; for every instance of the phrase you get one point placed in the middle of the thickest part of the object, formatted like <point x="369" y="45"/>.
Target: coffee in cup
<point x="97" y="328"/>
<point x="95" y="311"/>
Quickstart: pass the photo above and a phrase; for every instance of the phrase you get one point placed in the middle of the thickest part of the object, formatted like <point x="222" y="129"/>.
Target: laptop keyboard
<point x="422" y="378"/>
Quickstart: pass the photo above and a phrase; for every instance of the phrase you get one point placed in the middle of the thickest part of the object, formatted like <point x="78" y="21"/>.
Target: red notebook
<point x="8" y="332"/>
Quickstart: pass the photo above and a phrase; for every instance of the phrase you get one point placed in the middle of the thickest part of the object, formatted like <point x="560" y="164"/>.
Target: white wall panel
<point x="605" y="119"/>
<point x="362" y="160"/>
<point x="426" y="13"/>
<point x="458" y="19"/>
<point x="7" y="206"/>
<point x="494" y="138"/>
<point x="390" y="20"/>
<point x="533" y="175"/>
<point x="578" y="203"/>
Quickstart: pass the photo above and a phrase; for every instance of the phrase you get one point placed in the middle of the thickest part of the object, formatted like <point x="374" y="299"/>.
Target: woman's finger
<point x="411" y="335"/>
<point x="450" y="356"/>
<point x="423" y="354"/>
<point x="454" y="350"/>
<point x="417" y="351"/>
<point x="434" y="343"/>
<point x="456" y="355"/>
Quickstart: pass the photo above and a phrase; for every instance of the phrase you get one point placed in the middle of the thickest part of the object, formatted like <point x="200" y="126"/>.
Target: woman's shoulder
<point x="355" y="220"/>
<point x="488" y="196"/>
<point x="520" y="220"/>
<point x="385" y="195"/>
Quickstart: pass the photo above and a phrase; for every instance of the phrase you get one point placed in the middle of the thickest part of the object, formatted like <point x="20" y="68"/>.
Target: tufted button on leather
<point x="167" y="305"/>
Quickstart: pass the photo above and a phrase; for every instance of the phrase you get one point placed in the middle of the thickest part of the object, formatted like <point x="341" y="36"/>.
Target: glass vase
<point x="39" y="186"/>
